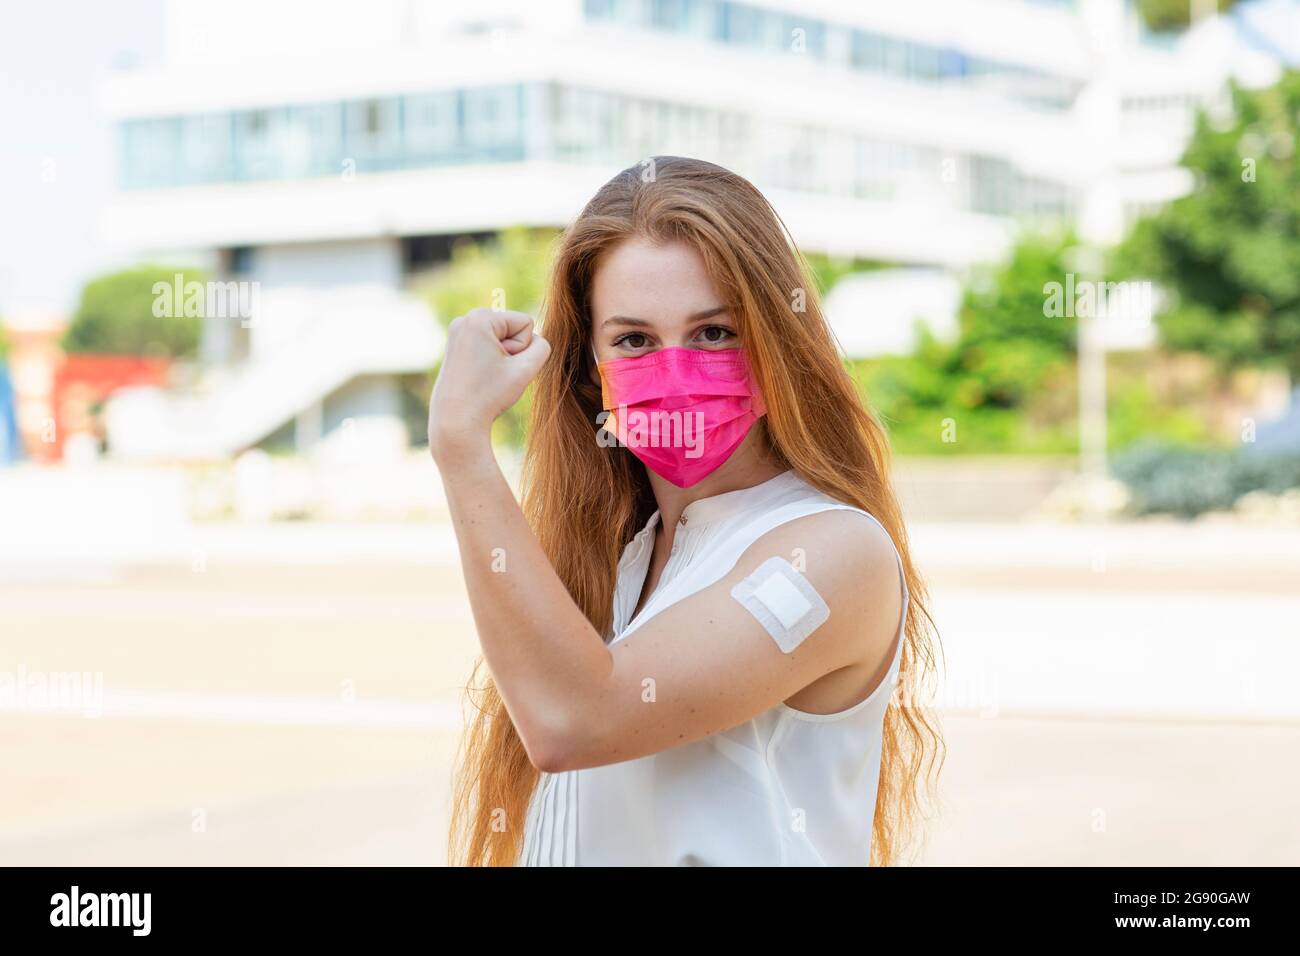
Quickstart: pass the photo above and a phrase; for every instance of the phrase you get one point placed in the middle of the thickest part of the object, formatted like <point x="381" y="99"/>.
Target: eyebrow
<point x="630" y="320"/>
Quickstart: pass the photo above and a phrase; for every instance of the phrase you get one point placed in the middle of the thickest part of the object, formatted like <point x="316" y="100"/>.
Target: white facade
<point x="313" y="139"/>
<point x="913" y="132"/>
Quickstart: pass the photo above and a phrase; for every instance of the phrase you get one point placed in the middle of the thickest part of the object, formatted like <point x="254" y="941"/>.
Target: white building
<point x="312" y="145"/>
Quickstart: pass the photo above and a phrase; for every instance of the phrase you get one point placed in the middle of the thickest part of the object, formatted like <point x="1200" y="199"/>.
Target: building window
<point x="256" y="153"/>
<point x="432" y="125"/>
<point x="373" y="133"/>
<point x="493" y="122"/>
<point x="431" y="129"/>
<point x="240" y="259"/>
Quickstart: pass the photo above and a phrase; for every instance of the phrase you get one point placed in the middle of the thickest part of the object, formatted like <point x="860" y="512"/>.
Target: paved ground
<point x="1131" y="708"/>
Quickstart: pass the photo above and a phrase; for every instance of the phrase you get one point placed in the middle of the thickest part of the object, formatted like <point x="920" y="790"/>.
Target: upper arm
<point x="705" y="663"/>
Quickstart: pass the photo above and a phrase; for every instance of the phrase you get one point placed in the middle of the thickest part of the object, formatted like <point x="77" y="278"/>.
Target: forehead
<point x="652" y="281"/>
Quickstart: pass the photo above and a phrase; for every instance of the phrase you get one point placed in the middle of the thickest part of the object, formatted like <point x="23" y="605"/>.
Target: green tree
<point x="1161" y="15"/>
<point x="1009" y="346"/>
<point x="1008" y="382"/>
<point x="508" y="272"/>
<point x="1230" y="250"/>
<point x="1004" y="383"/>
<point x="116" y="315"/>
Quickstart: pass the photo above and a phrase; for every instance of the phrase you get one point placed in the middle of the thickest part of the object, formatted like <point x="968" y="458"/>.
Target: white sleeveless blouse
<point x="786" y="788"/>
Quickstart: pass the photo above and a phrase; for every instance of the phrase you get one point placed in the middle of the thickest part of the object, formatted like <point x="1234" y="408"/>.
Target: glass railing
<point x="746" y="27"/>
<point x="561" y="123"/>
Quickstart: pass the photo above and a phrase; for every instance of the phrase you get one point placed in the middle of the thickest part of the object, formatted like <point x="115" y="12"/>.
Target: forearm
<point x="545" y="657"/>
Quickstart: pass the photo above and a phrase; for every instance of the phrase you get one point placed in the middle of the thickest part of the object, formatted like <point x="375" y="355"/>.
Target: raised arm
<point x="700" y="666"/>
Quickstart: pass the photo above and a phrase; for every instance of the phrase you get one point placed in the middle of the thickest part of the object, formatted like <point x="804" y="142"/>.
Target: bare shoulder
<point x="852" y="563"/>
<point x="837" y="544"/>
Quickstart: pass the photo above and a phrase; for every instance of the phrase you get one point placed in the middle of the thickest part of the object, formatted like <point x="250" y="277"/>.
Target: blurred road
<point x="289" y="694"/>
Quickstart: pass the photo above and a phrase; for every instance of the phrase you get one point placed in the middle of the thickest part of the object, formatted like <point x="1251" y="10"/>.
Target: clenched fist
<point x="490" y="359"/>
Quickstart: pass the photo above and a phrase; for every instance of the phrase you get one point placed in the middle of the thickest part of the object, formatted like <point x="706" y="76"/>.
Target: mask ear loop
<point x="595" y="359"/>
<point x="596" y="364"/>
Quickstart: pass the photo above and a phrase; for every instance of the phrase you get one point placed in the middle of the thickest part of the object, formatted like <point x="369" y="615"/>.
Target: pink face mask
<point x="680" y="411"/>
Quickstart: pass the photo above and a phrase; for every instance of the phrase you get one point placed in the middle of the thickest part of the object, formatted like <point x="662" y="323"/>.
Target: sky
<point x="56" y="150"/>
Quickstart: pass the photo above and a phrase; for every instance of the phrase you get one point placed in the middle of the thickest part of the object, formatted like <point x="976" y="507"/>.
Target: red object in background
<point x="83" y="381"/>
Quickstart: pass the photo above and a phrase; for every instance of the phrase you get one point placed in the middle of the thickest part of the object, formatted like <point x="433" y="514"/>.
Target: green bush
<point x="1167" y="479"/>
<point x="1004" y="384"/>
<point x="116" y="316"/>
<point x="1135" y="414"/>
<point x="929" y="411"/>
<point x="1008" y="383"/>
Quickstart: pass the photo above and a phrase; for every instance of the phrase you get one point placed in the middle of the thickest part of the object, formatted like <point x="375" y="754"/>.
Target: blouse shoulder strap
<point x="717" y="560"/>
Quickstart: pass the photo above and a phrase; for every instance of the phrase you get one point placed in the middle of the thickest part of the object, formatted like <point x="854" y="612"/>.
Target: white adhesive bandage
<point x="783" y="601"/>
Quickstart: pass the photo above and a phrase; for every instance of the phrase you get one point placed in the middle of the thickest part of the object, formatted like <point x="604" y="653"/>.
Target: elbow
<point x="551" y="746"/>
<point x="549" y="756"/>
<point x="547" y="760"/>
<point x="565" y="729"/>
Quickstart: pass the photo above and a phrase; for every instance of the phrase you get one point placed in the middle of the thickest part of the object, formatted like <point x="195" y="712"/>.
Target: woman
<point x="692" y="632"/>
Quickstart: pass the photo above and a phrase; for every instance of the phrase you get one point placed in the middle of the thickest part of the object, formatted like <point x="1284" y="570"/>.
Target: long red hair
<point x="585" y="502"/>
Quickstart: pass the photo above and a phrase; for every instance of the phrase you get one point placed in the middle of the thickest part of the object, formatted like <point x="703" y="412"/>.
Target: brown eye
<point x="633" y="340"/>
<point x="716" y="334"/>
